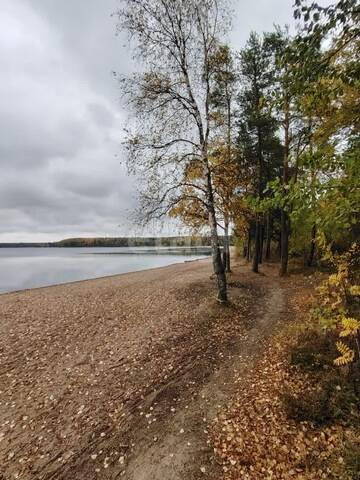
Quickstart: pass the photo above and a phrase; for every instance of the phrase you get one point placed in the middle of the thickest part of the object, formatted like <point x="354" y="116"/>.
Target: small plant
<point x="309" y="407"/>
<point x="331" y="343"/>
<point x="339" y="304"/>
<point x="315" y="350"/>
<point x="335" y="399"/>
<point x="351" y="456"/>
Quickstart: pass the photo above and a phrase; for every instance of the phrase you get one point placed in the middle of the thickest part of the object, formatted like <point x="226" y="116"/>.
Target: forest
<point x="174" y="241"/>
<point x="261" y="143"/>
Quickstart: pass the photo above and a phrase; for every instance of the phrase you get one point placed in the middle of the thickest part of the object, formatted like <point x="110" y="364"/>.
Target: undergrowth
<point x="327" y="354"/>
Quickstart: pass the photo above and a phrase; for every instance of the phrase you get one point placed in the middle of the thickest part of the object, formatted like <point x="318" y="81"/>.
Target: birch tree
<point x="222" y="103"/>
<point x="170" y="98"/>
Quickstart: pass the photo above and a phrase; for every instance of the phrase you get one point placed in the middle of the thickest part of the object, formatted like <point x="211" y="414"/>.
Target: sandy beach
<point x="94" y="373"/>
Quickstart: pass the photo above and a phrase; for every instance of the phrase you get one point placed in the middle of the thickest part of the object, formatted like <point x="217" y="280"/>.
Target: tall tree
<point x="221" y="155"/>
<point x="293" y="128"/>
<point x="257" y="126"/>
<point x="176" y="39"/>
<point x="327" y="53"/>
<point x="225" y="168"/>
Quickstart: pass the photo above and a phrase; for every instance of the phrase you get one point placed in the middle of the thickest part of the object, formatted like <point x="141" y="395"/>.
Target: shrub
<point x="315" y="350"/>
<point x="309" y="407"/>
<point x="336" y="398"/>
<point x="352" y="461"/>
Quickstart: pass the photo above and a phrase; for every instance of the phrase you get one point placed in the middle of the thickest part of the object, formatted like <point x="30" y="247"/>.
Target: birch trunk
<point x="218" y="266"/>
<point x="226" y="253"/>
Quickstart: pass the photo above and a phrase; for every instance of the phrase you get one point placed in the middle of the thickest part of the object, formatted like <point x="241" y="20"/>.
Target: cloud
<point x="60" y="132"/>
<point x="60" y="119"/>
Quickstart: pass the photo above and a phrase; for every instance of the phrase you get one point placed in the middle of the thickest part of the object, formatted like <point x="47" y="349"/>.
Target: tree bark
<point x="226" y="252"/>
<point x="268" y="236"/>
<point x="248" y="253"/>
<point x="256" y="257"/>
<point x="262" y="232"/>
<point x="312" y="247"/>
<point x="257" y="246"/>
<point x="278" y="250"/>
<point x="215" y="247"/>
<point x="217" y="262"/>
<point x="284" y="243"/>
<point x="285" y="227"/>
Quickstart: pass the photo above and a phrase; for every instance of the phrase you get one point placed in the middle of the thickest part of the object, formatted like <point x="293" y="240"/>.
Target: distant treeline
<point x="181" y="241"/>
<point x="25" y="244"/>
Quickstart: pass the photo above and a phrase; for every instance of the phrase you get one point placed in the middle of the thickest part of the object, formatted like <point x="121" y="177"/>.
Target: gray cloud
<point x="60" y="119"/>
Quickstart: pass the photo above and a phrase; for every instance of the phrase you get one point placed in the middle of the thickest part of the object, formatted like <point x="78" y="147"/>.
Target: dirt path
<point x="119" y="377"/>
<point x="181" y="450"/>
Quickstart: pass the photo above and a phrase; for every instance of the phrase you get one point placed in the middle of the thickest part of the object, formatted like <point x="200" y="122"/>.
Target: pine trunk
<point x="268" y="237"/>
<point x="284" y="243"/>
<point x="278" y="250"/>
<point x="256" y="257"/>
<point x="248" y="253"/>
<point x="285" y="221"/>
<point x="312" y="247"/>
<point x="262" y="232"/>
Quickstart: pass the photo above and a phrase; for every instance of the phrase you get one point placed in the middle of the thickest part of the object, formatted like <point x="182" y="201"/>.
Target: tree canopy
<point x="263" y="142"/>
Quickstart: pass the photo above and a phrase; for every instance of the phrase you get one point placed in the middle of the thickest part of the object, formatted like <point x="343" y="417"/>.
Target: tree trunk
<point x="279" y="246"/>
<point x="285" y="227"/>
<point x="217" y="263"/>
<point x="284" y="243"/>
<point x="226" y="252"/>
<point x="228" y="105"/>
<point x="248" y="253"/>
<point x="256" y="257"/>
<point x="262" y="232"/>
<point x="313" y="245"/>
<point x="215" y="247"/>
<point x="258" y="230"/>
<point x="268" y="236"/>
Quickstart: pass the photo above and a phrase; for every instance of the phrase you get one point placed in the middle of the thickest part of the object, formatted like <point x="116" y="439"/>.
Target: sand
<point x="93" y="374"/>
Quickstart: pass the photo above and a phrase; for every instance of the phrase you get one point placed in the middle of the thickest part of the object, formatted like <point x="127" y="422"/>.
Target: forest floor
<point x="129" y="376"/>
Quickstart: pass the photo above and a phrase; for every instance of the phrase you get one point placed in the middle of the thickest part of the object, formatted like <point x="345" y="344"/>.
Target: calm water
<point x="22" y="268"/>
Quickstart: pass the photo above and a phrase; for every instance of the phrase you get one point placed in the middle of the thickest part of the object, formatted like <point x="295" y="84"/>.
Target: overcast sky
<point x="61" y="121"/>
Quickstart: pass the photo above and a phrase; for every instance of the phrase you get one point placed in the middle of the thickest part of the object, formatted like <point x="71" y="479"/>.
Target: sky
<point x="61" y="119"/>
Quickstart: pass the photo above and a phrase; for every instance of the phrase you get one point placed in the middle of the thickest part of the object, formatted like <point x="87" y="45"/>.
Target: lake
<point x="22" y="268"/>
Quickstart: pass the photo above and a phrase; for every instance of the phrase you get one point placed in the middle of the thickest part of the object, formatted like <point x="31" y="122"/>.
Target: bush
<point x="310" y="407"/>
<point x="336" y="398"/>
<point x="352" y="461"/>
<point x="314" y="350"/>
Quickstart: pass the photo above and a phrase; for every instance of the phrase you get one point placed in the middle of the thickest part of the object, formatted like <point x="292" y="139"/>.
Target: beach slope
<point x="118" y="377"/>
